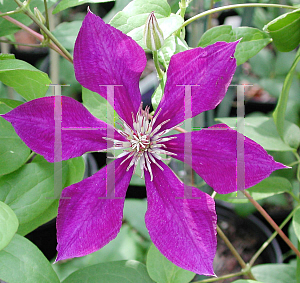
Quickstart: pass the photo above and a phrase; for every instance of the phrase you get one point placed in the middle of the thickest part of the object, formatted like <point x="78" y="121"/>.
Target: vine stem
<point x="272" y="223"/>
<point x="183" y="6"/>
<point x="22" y="44"/>
<point x="45" y="30"/>
<point x="38" y="36"/>
<point x="156" y="63"/>
<point x="29" y="156"/>
<point x="228" y="7"/>
<point x="46" y="14"/>
<point x="245" y="267"/>
<point x="221" y="277"/>
<point x="265" y="244"/>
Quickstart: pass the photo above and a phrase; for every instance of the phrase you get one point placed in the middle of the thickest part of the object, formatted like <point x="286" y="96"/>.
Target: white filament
<point x="144" y="144"/>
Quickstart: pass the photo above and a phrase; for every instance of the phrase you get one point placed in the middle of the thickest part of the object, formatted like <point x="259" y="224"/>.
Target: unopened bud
<point x="153" y="35"/>
<point x="39" y="15"/>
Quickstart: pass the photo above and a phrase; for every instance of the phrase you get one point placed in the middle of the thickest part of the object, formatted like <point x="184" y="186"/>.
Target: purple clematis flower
<point x="90" y="212"/>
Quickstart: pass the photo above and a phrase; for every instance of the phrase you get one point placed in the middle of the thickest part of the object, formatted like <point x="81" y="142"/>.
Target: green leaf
<point x="296" y="223"/>
<point x="65" y="4"/>
<point x="28" y="81"/>
<point x="284" y="61"/>
<point x="134" y="213"/>
<point x="22" y="261"/>
<point x="279" y="112"/>
<point x="44" y="217"/>
<point x="162" y="270"/>
<point x="266" y="188"/>
<point x="29" y="191"/>
<point x="13" y="151"/>
<point x="7" y="56"/>
<point x="9" y="224"/>
<point x="66" y="33"/>
<point x="275" y="273"/>
<point x="172" y="45"/>
<point x="285" y="31"/>
<point x="10" y="103"/>
<point x="262" y="64"/>
<point x="131" y="20"/>
<point x="158" y="93"/>
<point x="119" y="6"/>
<point x="7" y="27"/>
<point x="75" y="174"/>
<point x="291" y="134"/>
<point x="127" y="271"/>
<point x="97" y="105"/>
<point x="137" y="181"/>
<point x="263" y="131"/>
<point x="253" y="40"/>
<point x="76" y="168"/>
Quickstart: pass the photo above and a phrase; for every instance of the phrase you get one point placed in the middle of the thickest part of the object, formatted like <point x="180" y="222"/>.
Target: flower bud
<point x="153" y="35"/>
<point x="39" y="15"/>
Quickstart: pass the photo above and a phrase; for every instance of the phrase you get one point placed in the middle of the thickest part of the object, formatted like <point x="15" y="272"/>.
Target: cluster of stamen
<point x="144" y="144"/>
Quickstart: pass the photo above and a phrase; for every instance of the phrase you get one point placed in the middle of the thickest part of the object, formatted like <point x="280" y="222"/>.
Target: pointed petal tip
<point x="279" y="165"/>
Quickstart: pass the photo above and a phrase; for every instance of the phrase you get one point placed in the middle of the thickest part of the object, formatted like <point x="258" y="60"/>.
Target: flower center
<point x="144" y="144"/>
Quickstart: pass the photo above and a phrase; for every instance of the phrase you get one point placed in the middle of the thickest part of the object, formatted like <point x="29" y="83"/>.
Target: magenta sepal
<point x="183" y="229"/>
<point x="79" y="130"/>
<point x="214" y="158"/>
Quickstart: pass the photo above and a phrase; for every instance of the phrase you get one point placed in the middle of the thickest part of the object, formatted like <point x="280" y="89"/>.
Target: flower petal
<point x="40" y="122"/>
<point x="183" y="229"/>
<point x="90" y="212"/>
<point x="104" y="56"/>
<point x="214" y="158"/>
<point x="208" y="71"/>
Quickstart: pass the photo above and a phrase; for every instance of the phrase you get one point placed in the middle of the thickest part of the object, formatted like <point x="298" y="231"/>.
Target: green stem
<point x="235" y="253"/>
<point x="19" y="43"/>
<point x="214" y="279"/>
<point x="182" y="9"/>
<point x="294" y="197"/>
<point x="182" y="6"/>
<point x="28" y="12"/>
<point x="272" y="223"/>
<point x="156" y="63"/>
<point x="29" y="157"/>
<point x="265" y="244"/>
<point x="46" y="14"/>
<point x="294" y="163"/>
<point x="38" y="36"/>
<point x="219" y="9"/>
<point x="11" y="12"/>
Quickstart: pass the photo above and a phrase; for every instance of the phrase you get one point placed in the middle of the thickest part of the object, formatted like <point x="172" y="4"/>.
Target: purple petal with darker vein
<point x="90" y="212"/>
<point x="40" y="122"/>
<point x="182" y="228"/>
<point x="214" y="158"/>
<point x="104" y="55"/>
<point x="197" y="80"/>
